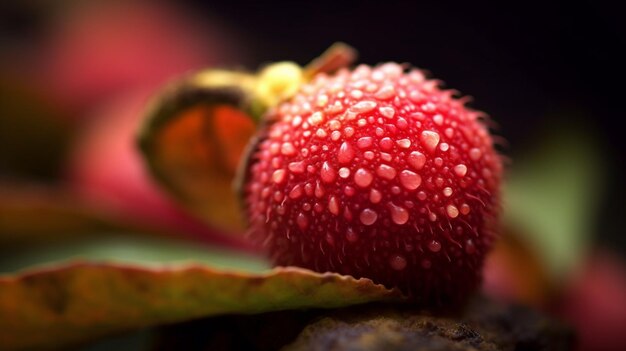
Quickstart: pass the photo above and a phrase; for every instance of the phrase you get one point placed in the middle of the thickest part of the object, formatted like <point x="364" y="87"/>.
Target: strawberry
<point x="377" y="173"/>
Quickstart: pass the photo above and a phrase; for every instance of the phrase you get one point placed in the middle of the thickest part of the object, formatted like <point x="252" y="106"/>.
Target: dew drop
<point x="344" y="172"/>
<point x="316" y="118"/>
<point x="375" y="196"/>
<point x="438" y="119"/>
<point x="444" y="147"/>
<point x="356" y="94"/>
<point x="460" y="170"/>
<point x="349" y="191"/>
<point x="296" y="192"/>
<point x="364" y="142"/>
<point x="410" y="180"/>
<point x="386" y="92"/>
<point x="432" y="216"/>
<point x="345" y="153"/>
<point x="387" y="112"/>
<point x="397" y="262"/>
<point x="447" y="191"/>
<point x="330" y="240"/>
<point x="363" y="178"/>
<point x="279" y="176"/>
<point x="465" y="209"/>
<point x="386" y="172"/>
<point x="421" y="195"/>
<point x="335" y="135"/>
<point x="363" y="106"/>
<point x="452" y="211"/>
<point x="296" y="167"/>
<point x="333" y="205"/>
<point x="386" y="144"/>
<point x="399" y="215"/>
<point x="403" y="143"/>
<point x="319" y="191"/>
<point x="430" y="140"/>
<point x="426" y="264"/>
<point x="351" y="236"/>
<point x="434" y="246"/>
<point x="416" y="160"/>
<point x="302" y="221"/>
<point x="321" y="133"/>
<point x="287" y="149"/>
<point x="470" y="247"/>
<point x="475" y="154"/>
<point x="327" y="173"/>
<point x="368" y="216"/>
<point x="369" y="155"/>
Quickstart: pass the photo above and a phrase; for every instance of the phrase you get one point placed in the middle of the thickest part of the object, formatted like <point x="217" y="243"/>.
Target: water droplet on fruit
<point x="438" y="119"/>
<point x="387" y="112"/>
<point x="296" y="192"/>
<point x="386" y="172"/>
<point x="364" y="142"/>
<point x="399" y="215"/>
<point x="452" y="211"/>
<point x="404" y="143"/>
<point x="397" y="262"/>
<point x="316" y="118"/>
<point x="302" y="221"/>
<point x="426" y="264"/>
<point x="447" y="191"/>
<point x="386" y="144"/>
<point x="465" y="209"/>
<point x="351" y="236"/>
<point x="344" y="172"/>
<point x="327" y="173"/>
<point x="333" y="205"/>
<point x="444" y="147"/>
<point x="363" y="106"/>
<point x="319" y="191"/>
<point x="475" y="154"/>
<point x="460" y="170"/>
<point x="416" y="160"/>
<point x="297" y="167"/>
<point x="375" y="196"/>
<point x="410" y="180"/>
<point x="434" y="246"/>
<point x="430" y="140"/>
<point x="368" y="216"/>
<point x="384" y="93"/>
<point x="287" y="149"/>
<point x="345" y="153"/>
<point x="470" y="247"/>
<point x="279" y="176"/>
<point x="363" y="178"/>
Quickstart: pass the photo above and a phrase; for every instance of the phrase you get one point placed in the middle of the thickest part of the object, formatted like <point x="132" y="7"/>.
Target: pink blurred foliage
<point x="97" y="49"/>
<point x="594" y="303"/>
<point x="102" y="60"/>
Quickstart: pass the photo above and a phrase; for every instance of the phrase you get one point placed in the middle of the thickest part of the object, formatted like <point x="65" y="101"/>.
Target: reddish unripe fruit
<point x="377" y="173"/>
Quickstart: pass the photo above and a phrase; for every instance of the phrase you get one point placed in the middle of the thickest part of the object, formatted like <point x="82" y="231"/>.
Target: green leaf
<point x="69" y="304"/>
<point x="551" y="197"/>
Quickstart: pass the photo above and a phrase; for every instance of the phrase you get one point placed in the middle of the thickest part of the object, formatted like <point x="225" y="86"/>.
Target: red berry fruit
<point x="377" y="173"/>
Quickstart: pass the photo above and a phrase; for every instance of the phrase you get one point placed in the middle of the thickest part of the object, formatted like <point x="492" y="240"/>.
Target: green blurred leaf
<point x="551" y="197"/>
<point x="135" y="250"/>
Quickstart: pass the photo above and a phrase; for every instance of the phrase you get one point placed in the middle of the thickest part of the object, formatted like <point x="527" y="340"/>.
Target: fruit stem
<point x="338" y="55"/>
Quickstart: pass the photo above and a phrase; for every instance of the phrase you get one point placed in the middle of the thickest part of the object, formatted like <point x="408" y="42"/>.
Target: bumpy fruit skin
<point x="377" y="173"/>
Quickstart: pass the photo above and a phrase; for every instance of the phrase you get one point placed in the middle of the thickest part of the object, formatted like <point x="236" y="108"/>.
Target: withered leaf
<point x="73" y="303"/>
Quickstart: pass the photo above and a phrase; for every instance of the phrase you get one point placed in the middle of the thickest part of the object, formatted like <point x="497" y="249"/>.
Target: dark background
<point x="532" y="67"/>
